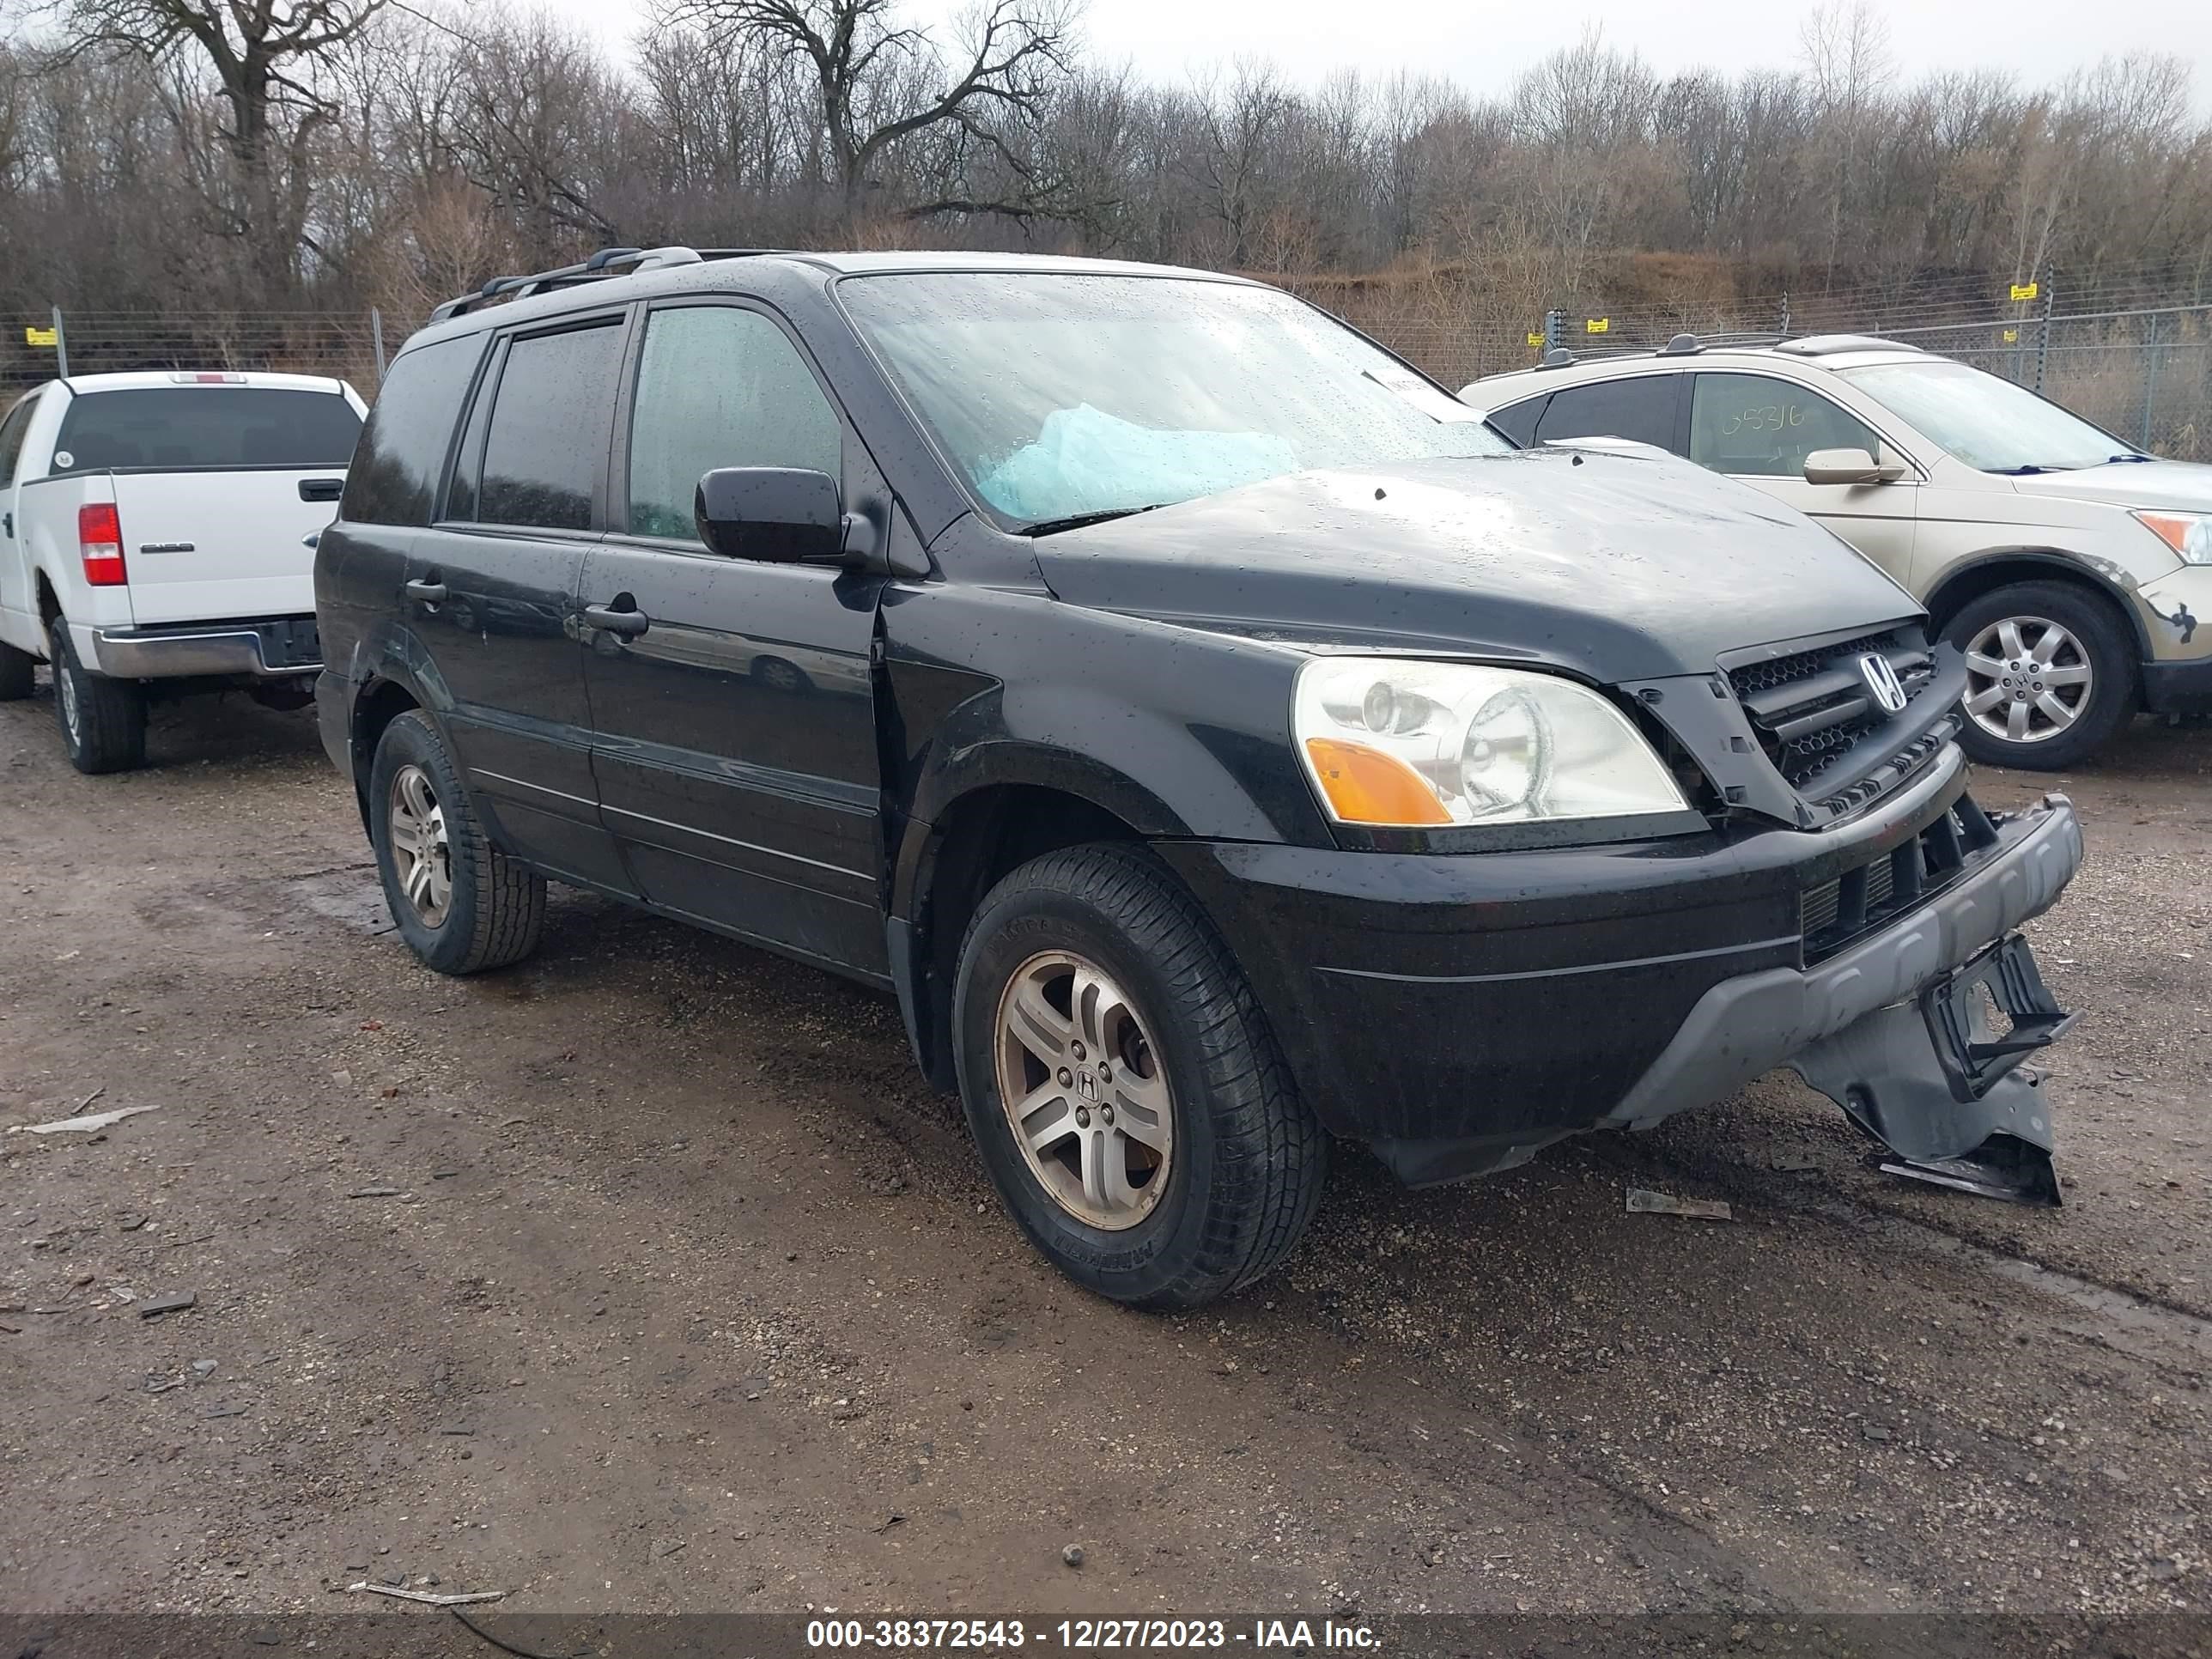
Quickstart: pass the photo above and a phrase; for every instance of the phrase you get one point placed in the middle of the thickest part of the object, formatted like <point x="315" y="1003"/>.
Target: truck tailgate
<point x="208" y="545"/>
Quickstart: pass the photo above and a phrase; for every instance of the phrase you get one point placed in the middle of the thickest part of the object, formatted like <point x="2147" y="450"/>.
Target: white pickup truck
<point x="157" y="538"/>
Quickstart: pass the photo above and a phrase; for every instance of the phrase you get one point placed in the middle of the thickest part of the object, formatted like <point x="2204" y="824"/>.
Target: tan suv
<point x="2068" y="566"/>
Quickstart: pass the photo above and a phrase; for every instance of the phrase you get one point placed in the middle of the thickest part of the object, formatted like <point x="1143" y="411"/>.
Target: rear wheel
<point x="462" y="905"/>
<point x="103" y="720"/>
<point x="1122" y="1085"/>
<point x="15" y="668"/>
<point x="2050" y="675"/>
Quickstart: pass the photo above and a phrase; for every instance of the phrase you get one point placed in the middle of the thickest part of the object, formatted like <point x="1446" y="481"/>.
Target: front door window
<point x="1756" y="426"/>
<point x="719" y="386"/>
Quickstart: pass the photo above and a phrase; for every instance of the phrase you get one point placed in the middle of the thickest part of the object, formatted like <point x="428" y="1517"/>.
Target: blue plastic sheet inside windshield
<point x="1085" y="461"/>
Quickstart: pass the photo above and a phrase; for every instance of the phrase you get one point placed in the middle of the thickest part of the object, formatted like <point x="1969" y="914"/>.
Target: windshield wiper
<point x="2024" y="472"/>
<point x="1077" y="521"/>
<point x="2132" y="455"/>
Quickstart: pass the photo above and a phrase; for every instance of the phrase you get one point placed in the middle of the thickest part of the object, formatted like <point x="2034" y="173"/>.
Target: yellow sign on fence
<point x="1535" y="339"/>
<point x="2012" y="337"/>
<point x="42" y="337"/>
<point x="2024" y="290"/>
<point x="1597" y="324"/>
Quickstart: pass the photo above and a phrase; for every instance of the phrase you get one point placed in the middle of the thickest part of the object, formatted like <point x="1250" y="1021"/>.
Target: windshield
<point x="1065" y="397"/>
<point x="1988" y="423"/>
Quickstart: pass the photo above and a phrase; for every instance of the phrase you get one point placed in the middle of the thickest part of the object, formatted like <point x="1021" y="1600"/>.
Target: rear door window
<point x="720" y="386"/>
<point x="12" y="431"/>
<point x="183" y="429"/>
<point x="1642" y="407"/>
<point x="394" y="478"/>
<point x="545" y="449"/>
<point x="1756" y="426"/>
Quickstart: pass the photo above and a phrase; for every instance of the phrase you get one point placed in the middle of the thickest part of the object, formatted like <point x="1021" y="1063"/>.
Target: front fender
<point x="1176" y="730"/>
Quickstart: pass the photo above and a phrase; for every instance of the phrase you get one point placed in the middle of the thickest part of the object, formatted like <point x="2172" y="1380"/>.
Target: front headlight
<point x="1409" y="744"/>
<point x="2189" y="534"/>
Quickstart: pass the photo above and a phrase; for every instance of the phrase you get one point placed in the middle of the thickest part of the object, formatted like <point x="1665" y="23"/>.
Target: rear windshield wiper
<point x="1077" y="521"/>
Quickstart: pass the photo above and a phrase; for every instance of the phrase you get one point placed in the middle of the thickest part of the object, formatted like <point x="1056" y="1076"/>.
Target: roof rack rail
<point x="1822" y="345"/>
<point x="1679" y="345"/>
<point x="607" y="262"/>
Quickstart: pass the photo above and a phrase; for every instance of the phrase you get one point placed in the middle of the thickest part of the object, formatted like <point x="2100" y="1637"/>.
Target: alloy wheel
<point x="421" y="855"/>
<point x="1084" y="1090"/>
<point x="2027" y="679"/>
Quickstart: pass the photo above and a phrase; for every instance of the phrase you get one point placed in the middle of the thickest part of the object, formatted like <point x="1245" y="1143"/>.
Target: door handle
<point x="427" y="589"/>
<point x="628" y="624"/>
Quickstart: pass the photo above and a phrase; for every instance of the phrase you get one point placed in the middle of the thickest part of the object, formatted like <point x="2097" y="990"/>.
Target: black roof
<point x="676" y="267"/>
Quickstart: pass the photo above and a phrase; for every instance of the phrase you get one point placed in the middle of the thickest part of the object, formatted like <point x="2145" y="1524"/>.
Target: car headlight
<point x="2189" y="534"/>
<point x="1399" y="744"/>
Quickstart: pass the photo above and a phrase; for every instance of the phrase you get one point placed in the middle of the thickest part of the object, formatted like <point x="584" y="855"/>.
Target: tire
<point x="2097" y="640"/>
<point x="102" y="720"/>
<point x="15" y="668"/>
<point x="488" y="910"/>
<point x="1244" y="1159"/>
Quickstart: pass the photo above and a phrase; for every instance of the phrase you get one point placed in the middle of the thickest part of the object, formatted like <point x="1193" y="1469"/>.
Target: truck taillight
<point x="100" y="541"/>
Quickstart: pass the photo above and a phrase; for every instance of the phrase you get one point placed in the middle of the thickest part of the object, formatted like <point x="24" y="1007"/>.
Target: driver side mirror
<point x="778" y="515"/>
<point x="1849" y="466"/>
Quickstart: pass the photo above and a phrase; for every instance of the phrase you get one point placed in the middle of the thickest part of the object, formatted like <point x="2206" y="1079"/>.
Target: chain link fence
<point x="36" y="346"/>
<point x="2132" y="352"/>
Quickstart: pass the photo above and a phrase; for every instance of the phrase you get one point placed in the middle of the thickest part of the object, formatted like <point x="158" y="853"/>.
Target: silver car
<point x="2070" y="567"/>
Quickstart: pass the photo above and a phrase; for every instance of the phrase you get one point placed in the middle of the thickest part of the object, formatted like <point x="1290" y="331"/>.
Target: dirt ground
<point x="646" y="1277"/>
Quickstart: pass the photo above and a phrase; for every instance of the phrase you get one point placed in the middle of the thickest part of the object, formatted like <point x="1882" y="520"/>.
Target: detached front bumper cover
<point x="1902" y="1029"/>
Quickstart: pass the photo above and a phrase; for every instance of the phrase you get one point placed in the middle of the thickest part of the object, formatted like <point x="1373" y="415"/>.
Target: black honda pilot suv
<point x="1219" y="740"/>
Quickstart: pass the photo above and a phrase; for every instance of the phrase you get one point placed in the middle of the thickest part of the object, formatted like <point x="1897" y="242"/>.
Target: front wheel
<point x="2050" y="675"/>
<point x="1123" y="1087"/>
<point x="462" y="905"/>
<point x="103" y="720"/>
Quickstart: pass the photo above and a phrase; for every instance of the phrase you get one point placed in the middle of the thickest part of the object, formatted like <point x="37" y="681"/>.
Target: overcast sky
<point x="1483" y="44"/>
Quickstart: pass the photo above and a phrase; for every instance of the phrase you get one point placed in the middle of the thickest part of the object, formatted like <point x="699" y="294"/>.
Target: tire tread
<point x="1270" y="1152"/>
<point x="507" y="914"/>
<point x="111" y="713"/>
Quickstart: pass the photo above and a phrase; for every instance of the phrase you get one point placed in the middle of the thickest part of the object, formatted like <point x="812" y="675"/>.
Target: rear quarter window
<point x="186" y="428"/>
<point x="394" y="478"/>
<point x="1518" y="421"/>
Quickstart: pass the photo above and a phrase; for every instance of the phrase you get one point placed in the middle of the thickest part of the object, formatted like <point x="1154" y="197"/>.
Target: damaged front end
<point x="1918" y="1026"/>
<point x="1938" y="1079"/>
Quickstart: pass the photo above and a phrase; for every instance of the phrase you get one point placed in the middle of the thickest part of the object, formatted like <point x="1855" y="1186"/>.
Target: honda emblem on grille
<point x="1881" y="680"/>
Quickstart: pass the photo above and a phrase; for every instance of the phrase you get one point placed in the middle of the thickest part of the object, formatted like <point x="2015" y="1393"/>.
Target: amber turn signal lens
<point x="1366" y="786"/>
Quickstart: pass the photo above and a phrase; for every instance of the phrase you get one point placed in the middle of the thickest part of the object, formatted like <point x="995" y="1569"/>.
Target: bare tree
<point x="263" y="55"/>
<point x="1845" y="47"/>
<point x="881" y="82"/>
<point x="427" y="149"/>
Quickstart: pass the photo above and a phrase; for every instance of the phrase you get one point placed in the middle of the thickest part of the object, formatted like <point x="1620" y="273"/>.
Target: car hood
<point x="2178" y="486"/>
<point x="1616" y="566"/>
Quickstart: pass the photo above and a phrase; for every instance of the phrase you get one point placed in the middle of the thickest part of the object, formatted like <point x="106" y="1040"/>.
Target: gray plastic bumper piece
<point x="1840" y="1025"/>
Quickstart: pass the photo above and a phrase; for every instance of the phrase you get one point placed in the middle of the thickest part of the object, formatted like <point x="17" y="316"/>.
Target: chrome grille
<point x="1811" y="708"/>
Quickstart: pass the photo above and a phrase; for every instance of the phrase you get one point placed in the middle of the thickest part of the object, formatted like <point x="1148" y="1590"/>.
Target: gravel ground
<point x="647" y="1278"/>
